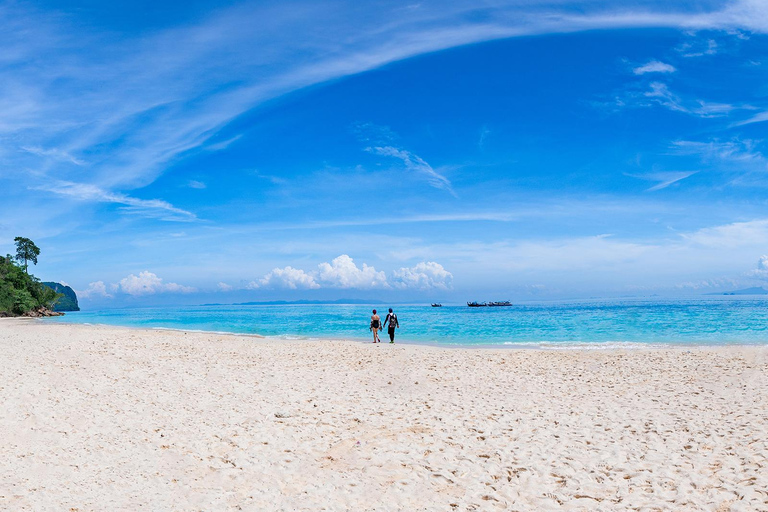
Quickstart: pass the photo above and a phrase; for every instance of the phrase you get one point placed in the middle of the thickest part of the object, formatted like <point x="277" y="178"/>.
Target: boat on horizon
<point x="501" y="303"/>
<point x="477" y="304"/>
<point x="437" y="305"/>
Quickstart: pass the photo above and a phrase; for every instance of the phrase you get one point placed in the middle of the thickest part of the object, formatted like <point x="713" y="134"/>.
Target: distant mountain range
<point x="289" y="302"/>
<point x="755" y="290"/>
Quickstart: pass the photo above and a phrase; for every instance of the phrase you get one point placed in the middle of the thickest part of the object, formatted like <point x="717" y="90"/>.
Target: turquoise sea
<point x="564" y="324"/>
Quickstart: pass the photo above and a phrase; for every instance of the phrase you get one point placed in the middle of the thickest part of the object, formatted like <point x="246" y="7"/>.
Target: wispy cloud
<point x="381" y="140"/>
<point x="484" y="133"/>
<point x="154" y="208"/>
<point x="53" y="153"/>
<point x="717" y="283"/>
<point x="660" y="94"/>
<point x="374" y="135"/>
<point x="757" y="118"/>
<point x="733" y="235"/>
<point x="742" y="152"/>
<point x="698" y="48"/>
<point x="196" y="184"/>
<point x="128" y="108"/>
<point x="657" y="262"/>
<point x="654" y="66"/>
<point x="664" y="179"/>
<point x="417" y="164"/>
<point x="218" y="146"/>
<point x="275" y="180"/>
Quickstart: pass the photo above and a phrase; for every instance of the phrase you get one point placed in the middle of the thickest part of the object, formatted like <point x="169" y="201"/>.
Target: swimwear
<point x="374" y="324"/>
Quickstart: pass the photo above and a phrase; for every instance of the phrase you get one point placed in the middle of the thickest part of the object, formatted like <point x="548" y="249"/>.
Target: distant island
<point x="68" y="299"/>
<point x="756" y="290"/>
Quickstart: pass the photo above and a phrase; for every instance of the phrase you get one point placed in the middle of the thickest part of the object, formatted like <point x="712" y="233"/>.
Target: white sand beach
<point x="102" y="418"/>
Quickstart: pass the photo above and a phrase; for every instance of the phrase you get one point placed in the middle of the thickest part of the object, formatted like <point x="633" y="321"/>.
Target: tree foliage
<point x="21" y="292"/>
<point x="26" y="251"/>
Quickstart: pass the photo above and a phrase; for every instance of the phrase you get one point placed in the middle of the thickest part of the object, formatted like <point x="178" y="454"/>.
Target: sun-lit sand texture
<point x="101" y="418"/>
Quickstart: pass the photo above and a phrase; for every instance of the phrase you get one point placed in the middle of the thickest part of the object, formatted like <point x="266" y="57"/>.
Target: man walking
<point x="393" y="323"/>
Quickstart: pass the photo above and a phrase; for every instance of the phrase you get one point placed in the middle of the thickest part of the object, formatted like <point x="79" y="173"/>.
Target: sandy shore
<point x="101" y="418"/>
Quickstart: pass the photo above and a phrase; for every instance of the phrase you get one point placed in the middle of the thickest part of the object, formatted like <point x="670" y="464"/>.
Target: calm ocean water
<point x="593" y="323"/>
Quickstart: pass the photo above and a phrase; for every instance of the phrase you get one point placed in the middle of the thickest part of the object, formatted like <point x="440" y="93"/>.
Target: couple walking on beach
<point x="377" y="326"/>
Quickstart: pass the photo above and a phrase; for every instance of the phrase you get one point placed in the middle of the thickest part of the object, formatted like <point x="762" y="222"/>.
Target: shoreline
<point x="523" y="345"/>
<point x="111" y="418"/>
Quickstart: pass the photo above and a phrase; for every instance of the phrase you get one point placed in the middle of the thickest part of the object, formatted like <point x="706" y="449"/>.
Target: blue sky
<point x="222" y="152"/>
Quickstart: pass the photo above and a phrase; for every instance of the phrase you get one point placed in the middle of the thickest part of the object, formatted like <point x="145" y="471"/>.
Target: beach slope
<point x="103" y="418"/>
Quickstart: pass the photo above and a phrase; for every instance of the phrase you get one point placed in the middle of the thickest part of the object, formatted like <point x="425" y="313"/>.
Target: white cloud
<point x="154" y="208"/>
<point x="654" y="66"/>
<point x="342" y="272"/>
<point x="602" y="263"/>
<point x="741" y="152"/>
<point x="289" y="278"/>
<point x="96" y="289"/>
<point x="704" y="284"/>
<point x="757" y="118"/>
<point x="134" y="104"/>
<point x="664" y="179"/>
<point x="734" y="235"/>
<point x="661" y="95"/>
<point x="415" y="163"/>
<point x="275" y="180"/>
<point x="54" y="153"/>
<point x="484" y="133"/>
<point x="761" y="272"/>
<point x="147" y="283"/>
<point x="426" y="275"/>
<point x="698" y="48"/>
<point x="224" y="287"/>
<point x="196" y="184"/>
<point x="379" y="140"/>
<point x="218" y="146"/>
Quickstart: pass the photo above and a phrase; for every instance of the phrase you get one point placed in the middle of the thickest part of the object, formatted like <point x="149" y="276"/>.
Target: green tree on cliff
<point x="26" y="251"/>
<point x="21" y="292"/>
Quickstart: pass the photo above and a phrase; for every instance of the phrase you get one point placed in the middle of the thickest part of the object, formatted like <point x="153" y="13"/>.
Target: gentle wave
<point x="595" y="345"/>
<point x="597" y="325"/>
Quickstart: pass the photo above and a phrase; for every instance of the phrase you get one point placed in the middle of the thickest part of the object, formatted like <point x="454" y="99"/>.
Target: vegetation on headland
<point x="68" y="299"/>
<point x="21" y="293"/>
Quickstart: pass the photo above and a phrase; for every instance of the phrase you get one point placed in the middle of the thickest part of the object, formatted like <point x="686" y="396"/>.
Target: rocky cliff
<point x="68" y="301"/>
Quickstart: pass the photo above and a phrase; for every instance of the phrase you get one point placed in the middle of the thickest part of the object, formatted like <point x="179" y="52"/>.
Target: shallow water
<point x="592" y="323"/>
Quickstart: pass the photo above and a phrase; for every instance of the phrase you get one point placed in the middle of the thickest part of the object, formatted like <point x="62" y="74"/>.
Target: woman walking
<point x="375" y="326"/>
